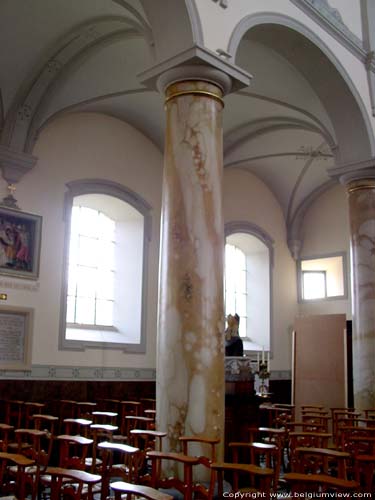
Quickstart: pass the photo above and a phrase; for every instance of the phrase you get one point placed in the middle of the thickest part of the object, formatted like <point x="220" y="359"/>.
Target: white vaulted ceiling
<point x="92" y="51"/>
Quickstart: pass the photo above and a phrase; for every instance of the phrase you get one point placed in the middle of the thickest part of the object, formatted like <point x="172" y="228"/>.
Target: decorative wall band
<point x="203" y="93"/>
<point x="51" y="372"/>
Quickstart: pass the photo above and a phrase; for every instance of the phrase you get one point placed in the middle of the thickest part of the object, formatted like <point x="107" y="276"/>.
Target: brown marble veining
<point x="190" y="355"/>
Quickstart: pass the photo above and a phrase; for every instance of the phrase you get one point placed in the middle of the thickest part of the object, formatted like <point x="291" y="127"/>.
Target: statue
<point x="233" y="341"/>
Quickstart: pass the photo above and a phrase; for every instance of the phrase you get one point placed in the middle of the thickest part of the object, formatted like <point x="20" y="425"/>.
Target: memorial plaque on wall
<point x="15" y="338"/>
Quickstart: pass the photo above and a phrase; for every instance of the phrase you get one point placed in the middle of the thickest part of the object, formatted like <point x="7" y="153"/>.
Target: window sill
<point x="97" y="328"/>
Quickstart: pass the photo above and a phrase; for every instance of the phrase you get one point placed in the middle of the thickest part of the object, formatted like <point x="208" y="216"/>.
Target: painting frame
<point x="20" y="241"/>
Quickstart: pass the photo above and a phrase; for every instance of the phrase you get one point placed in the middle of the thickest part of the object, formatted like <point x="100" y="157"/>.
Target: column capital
<point x="196" y="63"/>
<point x="353" y="172"/>
<point x="15" y="164"/>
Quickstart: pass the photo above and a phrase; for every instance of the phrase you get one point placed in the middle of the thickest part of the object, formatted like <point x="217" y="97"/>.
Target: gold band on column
<point x="204" y="93"/>
<point x="364" y="185"/>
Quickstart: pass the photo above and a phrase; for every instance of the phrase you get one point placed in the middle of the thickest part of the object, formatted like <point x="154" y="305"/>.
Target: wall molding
<point x="330" y="20"/>
<point x="91" y="373"/>
<point x="110" y="374"/>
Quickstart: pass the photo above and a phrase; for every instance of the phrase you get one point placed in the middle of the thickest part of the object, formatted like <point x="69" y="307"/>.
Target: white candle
<point x="263" y="354"/>
<point x="258" y="358"/>
<point x="268" y="360"/>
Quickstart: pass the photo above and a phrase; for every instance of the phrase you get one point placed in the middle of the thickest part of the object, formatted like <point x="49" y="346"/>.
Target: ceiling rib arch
<point x="21" y="121"/>
<point x="355" y="138"/>
<point x="292" y="107"/>
<point x="249" y="131"/>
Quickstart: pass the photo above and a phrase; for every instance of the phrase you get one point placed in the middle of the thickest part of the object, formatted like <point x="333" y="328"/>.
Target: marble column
<point x="361" y="195"/>
<point x="190" y="354"/>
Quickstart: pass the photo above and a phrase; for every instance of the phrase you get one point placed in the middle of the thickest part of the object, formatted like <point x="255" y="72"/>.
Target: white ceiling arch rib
<point x="255" y="128"/>
<point x="21" y="121"/>
<point x="311" y="56"/>
<point x="297" y="109"/>
<point x="69" y="65"/>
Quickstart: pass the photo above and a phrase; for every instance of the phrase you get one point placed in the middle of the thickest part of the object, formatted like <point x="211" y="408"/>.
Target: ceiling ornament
<point x="222" y="3"/>
<point x="314" y="153"/>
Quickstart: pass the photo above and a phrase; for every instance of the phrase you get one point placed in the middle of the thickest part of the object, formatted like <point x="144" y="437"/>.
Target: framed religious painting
<point x="20" y="237"/>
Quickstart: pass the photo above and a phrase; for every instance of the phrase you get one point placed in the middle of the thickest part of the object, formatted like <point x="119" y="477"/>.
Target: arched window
<point x="248" y="282"/>
<point x="107" y="230"/>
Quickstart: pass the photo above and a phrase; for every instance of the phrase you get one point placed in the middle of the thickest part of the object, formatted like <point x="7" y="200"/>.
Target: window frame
<point x="345" y="295"/>
<point x="246" y="227"/>
<point x="109" y="188"/>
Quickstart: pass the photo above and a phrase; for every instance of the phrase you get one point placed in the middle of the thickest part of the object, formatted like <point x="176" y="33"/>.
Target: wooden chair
<point x="370" y="413"/>
<point x="128" y="408"/>
<point x="13" y="483"/>
<point x="121" y="489"/>
<point x="85" y="409"/>
<point x="29" y="408"/>
<point x="364" y="468"/>
<point x="49" y="425"/>
<point x="146" y="440"/>
<point x="104" y="417"/>
<point x="5" y="431"/>
<point x="14" y="413"/>
<point x="98" y="433"/>
<point x="72" y="484"/>
<point x="312" y="407"/>
<point x="317" y="418"/>
<point x="318" y="483"/>
<point x="258" y="454"/>
<point x="204" y="449"/>
<point x="148" y="403"/>
<point x="307" y="440"/>
<point x="171" y="480"/>
<point x="77" y="426"/>
<point x="322" y="461"/>
<point x="257" y="479"/>
<point x="29" y="444"/>
<point x="120" y="461"/>
<point x="136" y="422"/>
<point x="73" y="451"/>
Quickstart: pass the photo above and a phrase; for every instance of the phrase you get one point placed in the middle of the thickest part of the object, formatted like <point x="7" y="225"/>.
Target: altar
<point x="241" y="403"/>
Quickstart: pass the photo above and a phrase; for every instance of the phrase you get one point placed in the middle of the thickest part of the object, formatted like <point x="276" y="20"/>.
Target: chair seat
<point x="28" y="470"/>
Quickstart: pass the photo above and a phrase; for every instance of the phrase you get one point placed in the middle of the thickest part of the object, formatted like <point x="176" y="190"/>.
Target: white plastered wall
<point x="246" y="198"/>
<point x="325" y="231"/>
<point x="85" y="146"/>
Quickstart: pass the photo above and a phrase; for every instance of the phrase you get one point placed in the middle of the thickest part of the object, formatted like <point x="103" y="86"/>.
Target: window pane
<point x="106" y="254"/>
<point x="243" y="326"/>
<point x="88" y="221"/>
<point x="70" y="309"/>
<point x="86" y="284"/>
<point x="106" y="228"/>
<point x="88" y="251"/>
<point x="91" y="267"/>
<point x="314" y="285"/>
<point x="105" y="285"/>
<point x="235" y="283"/>
<point x="241" y="304"/>
<point x="85" y="311"/>
<point x="72" y="280"/>
<point x="104" y="312"/>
